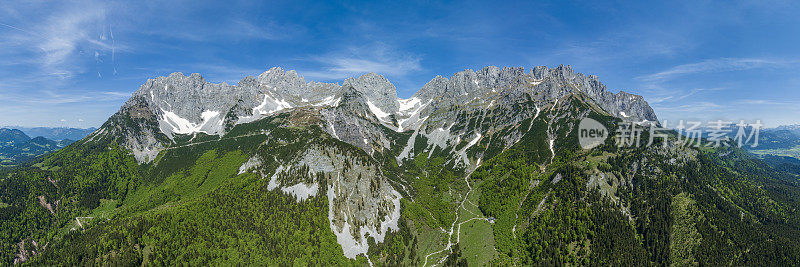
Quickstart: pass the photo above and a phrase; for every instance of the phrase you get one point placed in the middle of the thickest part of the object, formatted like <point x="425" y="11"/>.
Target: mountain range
<point x="185" y="105"/>
<point x="483" y="167"/>
<point x="55" y="133"/>
<point x="779" y="147"/>
<point x="16" y="147"/>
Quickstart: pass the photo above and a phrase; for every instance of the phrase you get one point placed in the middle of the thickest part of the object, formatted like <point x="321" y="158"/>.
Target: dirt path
<point x="453" y="227"/>
<point x="209" y="141"/>
<point x="77" y="219"/>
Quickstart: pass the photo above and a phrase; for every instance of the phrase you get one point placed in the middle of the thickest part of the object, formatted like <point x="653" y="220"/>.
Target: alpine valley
<point x="481" y="168"/>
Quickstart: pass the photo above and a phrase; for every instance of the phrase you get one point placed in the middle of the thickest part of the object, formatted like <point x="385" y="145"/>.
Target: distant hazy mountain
<point x="780" y="147"/>
<point x="794" y="129"/>
<point x="16" y="147"/>
<point x="11" y="136"/>
<point x="56" y="133"/>
<point x="778" y="138"/>
<point x="781" y="137"/>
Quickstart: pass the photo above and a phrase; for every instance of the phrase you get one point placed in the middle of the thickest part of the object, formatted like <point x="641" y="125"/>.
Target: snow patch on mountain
<point x="271" y="105"/>
<point x="473" y="142"/>
<point x="171" y="124"/>
<point x="268" y="106"/>
<point x="332" y="101"/>
<point x="407" y="149"/>
<point x="409" y="113"/>
<point x="382" y="116"/>
<point x="463" y="152"/>
<point x="408" y="104"/>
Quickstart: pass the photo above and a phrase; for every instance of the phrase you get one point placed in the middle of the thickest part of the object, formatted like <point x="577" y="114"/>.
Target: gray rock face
<point x="624" y="105"/>
<point x="545" y="85"/>
<point x="442" y="101"/>
<point x="189" y="104"/>
<point x="184" y="105"/>
<point x="361" y="201"/>
<point x="458" y="117"/>
<point x="376" y="89"/>
<point x="352" y="122"/>
<point x="294" y="88"/>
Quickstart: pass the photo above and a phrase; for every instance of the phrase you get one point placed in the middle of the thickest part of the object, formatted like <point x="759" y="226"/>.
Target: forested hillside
<point x="16" y="147"/>
<point x="513" y="188"/>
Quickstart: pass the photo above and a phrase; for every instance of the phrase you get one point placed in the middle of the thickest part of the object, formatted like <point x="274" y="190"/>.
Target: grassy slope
<point x="191" y="206"/>
<point x="661" y="200"/>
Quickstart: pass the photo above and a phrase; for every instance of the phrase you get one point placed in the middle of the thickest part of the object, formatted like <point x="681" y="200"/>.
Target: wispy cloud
<point x="54" y="98"/>
<point x="271" y="31"/>
<point x="767" y="102"/>
<point x="712" y="65"/>
<point x="696" y="107"/>
<point x="227" y="29"/>
<point x="117" y="95"/>
<point x="379" y="58"/>
<point x="61" y="38"/>
<point x="673" y="97"/>
<point x="63" y="41"/>
<point x="629" y="45"/>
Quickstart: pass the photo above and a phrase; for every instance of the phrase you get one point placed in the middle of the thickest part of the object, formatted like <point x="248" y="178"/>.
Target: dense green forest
<point x="16" y="147"/>
<point x="91" y="203"/>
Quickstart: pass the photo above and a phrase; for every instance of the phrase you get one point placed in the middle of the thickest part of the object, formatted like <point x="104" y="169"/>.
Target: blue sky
<point x="74" y="64"/>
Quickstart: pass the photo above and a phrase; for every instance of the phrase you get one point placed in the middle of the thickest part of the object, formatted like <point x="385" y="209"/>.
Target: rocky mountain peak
<point x="287" y="81"/>
<point x="178" y="80"/>
<point x="564" y="72"/>
<point x="539" y="72"/>
<point x="468" y="83"/>
<point x="433" y="88"/>
<point x="182" y="105"/>
<point x="248" y="81"/>
<point x="378" y="91"/>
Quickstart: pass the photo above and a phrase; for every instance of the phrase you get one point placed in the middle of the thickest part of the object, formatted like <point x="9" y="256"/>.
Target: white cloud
<point x="710" y="66"/>
<point x="65" y="33"/>
<point x="355" y="60"/>
<point x="767" y="102"/>
<point x="59" y="41"/>
<point x="272" y="31"/>
<point x="692" y="110"/>
<point x="118" y="95"/>
<point x="54" y="98"/>
<point x="224" y="29"/>
<point x="672" y="97"/>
